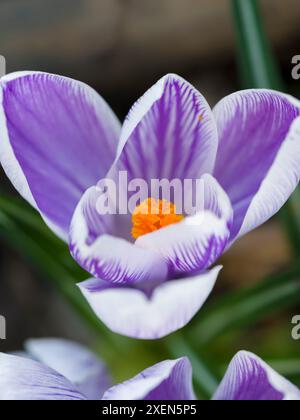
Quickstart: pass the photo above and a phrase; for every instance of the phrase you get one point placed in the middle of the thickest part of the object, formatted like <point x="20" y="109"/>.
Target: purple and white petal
<point x="57" y="138"/>
<point x="258" y="161"/>
<point x="74" y="362"/>
<point x="130" y="312"/>
<point x="169" y="380"/>
<point x="170" y="133"/>
<point x="105" y="256"/>
<point x="25" y="379"/>
<point x="194" y="244"/>
<point x="249" y="378"/>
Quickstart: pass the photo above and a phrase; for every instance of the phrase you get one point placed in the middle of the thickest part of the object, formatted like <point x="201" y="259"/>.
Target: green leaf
<point x="256" y="60"/>
<point x="245" y="307"/>
<point x="23" y="229"/>
<point x="287" y="367"/>
<point x="30" y="222"/>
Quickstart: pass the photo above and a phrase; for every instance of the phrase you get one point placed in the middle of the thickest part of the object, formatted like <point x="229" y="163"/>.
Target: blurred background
<point x="121" y="47"/>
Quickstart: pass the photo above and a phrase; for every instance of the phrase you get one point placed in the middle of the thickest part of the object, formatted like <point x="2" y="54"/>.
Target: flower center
<point x="152" y="215"/>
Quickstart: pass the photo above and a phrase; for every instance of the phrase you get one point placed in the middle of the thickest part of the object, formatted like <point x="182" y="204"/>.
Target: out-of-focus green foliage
<point x="259" y="69"/>
<point x="245" y="307"/>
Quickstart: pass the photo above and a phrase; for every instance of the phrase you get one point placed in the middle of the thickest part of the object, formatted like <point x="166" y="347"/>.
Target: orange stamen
<point x="152" y="215"/>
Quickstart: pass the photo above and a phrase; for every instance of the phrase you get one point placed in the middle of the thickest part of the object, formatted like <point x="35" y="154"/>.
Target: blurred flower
<point x="61" y="370"/>
<point x="59" y="138"/>
<point x="52" y="369"/>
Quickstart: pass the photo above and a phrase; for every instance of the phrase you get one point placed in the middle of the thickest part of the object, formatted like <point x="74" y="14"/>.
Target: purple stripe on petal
<point x="258" y="161"/>
<point x="58" y="137"/>
<point x="169" y="380"/>
<point x="194" y="244"/>
<point x="170" y="133"/>
<point x="109" y="258"/>
<point x="132" y="313"/>
<point x="74" y="362"/>
<point x="25" y="379"/>
<point x="249" y="378"/>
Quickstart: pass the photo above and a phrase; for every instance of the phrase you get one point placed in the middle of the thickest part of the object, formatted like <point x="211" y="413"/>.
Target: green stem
<point x="260" y="70"/>
<point x="258" y="65"/>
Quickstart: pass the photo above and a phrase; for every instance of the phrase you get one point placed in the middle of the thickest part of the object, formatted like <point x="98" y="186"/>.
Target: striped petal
<point x="57" y="138"/>
<point x="169" y="380"/>
<point x="170" y="133"/>
<point x="194" y="244"/>
<point x="107" y="257"/>
<point x="258" y="161"/>
<point x="76" y="363"/>
<point x="249" y="378"/>
<point x="25" y="379"/>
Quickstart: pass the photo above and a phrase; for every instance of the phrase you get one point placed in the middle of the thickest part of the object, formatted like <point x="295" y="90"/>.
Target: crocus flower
<point x="58" y="138"/>
<point x="61" y="370"/>
<point x="247" y="378"/>
<point x="57" y="368"/>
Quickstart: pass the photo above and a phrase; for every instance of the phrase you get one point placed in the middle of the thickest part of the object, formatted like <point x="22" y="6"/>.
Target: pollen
<point x="152" y="215"/>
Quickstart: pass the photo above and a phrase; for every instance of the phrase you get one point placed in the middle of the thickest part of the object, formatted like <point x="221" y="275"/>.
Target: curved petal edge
<point x="169" y="380"/>
<point x="131" y="312"/>
<point x="250" y="378"/>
